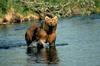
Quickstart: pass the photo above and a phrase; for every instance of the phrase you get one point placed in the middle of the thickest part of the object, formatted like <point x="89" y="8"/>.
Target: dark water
<point x="80" y="32"/>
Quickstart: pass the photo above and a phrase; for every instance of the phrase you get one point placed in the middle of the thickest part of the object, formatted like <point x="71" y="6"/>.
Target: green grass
<point x="56" y="7"/>
<point x="97" y="3"/>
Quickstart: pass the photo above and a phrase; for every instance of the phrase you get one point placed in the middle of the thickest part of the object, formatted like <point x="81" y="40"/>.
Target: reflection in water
<point x="78" y="39"/>
<point x="44" y="55"/>
<point x="4" y="31"/>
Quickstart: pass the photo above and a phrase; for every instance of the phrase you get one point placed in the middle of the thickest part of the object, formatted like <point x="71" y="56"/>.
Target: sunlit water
<point x="82" y="33"/>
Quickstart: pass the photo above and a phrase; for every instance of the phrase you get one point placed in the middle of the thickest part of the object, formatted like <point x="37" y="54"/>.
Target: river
<point x="80" y="33"/>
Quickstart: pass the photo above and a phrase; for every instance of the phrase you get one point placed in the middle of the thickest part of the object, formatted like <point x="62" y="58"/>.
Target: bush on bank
<point x="61" y="8"/>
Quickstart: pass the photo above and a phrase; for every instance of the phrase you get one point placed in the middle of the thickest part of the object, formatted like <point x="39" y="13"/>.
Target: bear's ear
<point x="55" y="18"/>
<point x="47" y="18"/>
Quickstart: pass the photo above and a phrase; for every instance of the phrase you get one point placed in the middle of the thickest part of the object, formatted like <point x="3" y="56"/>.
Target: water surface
<point x="82" y="33"/>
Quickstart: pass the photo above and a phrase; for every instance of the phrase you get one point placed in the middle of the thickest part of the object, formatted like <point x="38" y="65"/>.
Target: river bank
<point x="19" y="11"/>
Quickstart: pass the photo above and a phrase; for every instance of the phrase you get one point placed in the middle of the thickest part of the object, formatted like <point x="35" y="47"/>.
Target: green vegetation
<point x="97" y="6"/>
<point x="61" y="8"/>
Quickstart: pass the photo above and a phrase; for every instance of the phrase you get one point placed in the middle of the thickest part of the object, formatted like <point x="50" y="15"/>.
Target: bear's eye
<point x="53" y="20"/>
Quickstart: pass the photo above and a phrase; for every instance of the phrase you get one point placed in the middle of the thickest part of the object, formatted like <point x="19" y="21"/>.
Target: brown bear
<point x="50" y="27"/>
<point x="44" y="33"/>
<point x="33" y="35"/>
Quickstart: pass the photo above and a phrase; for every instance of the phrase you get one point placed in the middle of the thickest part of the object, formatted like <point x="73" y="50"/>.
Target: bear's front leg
<point x="52" y="39"/>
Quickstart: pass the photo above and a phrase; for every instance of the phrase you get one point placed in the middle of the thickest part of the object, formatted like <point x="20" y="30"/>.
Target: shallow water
<point x="80" y="32"/>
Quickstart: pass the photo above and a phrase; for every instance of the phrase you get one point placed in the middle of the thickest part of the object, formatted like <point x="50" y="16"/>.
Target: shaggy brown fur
<point x="45" y="33"/>
<point x="50" y="27"/>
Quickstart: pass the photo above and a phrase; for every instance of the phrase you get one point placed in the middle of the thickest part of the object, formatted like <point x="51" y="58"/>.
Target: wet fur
<point x="50" y="27"/>
<point x="44" y="33"/>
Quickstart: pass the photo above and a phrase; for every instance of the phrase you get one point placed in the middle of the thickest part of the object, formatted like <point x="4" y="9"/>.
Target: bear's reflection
<point x="43" y="55"/>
